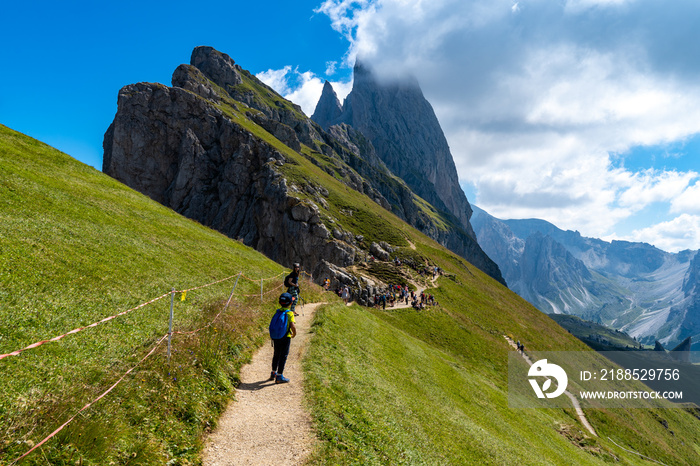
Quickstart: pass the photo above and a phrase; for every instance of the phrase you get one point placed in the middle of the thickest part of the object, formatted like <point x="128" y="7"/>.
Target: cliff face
<point x="328" y="110"/>
<point x="405" y="134"/>
<point x="690" y="325"/>
<point x="183" y="151"/>
<point x="214" y="146"/>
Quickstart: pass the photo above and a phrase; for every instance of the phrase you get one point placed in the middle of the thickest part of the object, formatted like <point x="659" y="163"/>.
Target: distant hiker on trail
<point x="291" y="281"/>
<point x="326" y="284"/>
<point x="282" y="330"/>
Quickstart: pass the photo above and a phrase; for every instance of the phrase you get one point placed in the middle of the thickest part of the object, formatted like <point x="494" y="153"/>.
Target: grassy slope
<point x="431" y="387"/>
<point x="445" y="370"/>
<point x="78" y="246"/>
<point x="468" y="330"/>
<point x="584" y="330"/>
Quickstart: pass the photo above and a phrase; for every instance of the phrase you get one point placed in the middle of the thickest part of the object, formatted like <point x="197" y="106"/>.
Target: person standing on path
<point x="291" y="281"/>
<point x="282" y="323"/>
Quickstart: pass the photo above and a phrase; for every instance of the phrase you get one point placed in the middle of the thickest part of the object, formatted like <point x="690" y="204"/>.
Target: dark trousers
<point x="279" y="359"/>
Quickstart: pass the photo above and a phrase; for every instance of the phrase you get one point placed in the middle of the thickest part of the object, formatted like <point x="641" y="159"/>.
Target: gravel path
<point x="574" y="401"/>
<point x="267" y="424"/>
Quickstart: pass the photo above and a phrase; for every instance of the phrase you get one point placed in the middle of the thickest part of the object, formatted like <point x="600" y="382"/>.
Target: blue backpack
<point x="279" y="325"/>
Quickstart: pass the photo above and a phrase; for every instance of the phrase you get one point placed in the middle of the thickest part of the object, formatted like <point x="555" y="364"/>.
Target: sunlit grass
<point x="78" y="247"/>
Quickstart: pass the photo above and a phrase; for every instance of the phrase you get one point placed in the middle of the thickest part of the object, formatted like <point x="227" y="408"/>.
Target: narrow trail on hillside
<point x="419" y="289"/>
<point x="267" y="424"/>
<point x="572" y="397"/>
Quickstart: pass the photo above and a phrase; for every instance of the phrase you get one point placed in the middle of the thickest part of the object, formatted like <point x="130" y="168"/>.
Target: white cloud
<point x="534" y="103"/>
<point x="579" y="6"/>
<point x="276" y="79"/>
<point x="342" y="14"/>
<point x="307" y="93"/>
<point x="683" y="232"/>
<point x="650" y="186"/>
<point x="688" y="201"/>
<point x="304" y="89"/>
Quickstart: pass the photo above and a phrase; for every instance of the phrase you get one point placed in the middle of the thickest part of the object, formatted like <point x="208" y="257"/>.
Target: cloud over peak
<point x="537" y="97"/>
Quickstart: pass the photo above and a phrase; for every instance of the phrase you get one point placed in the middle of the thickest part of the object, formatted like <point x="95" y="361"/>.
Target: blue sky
<point x="585" y="113"/>
<point x="63" y="63"/>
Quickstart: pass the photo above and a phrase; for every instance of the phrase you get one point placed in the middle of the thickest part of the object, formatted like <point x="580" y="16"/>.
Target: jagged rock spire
<point x="404" y="130"/>
<point x="328" y="110"/>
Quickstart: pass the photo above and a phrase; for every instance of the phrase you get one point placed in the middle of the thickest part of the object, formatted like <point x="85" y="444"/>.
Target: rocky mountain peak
<point x="328" y="109"/>
<point x="394" y="116"/>
<point x="364" y="75"/>
<point x="402" y="126"/>
<point x="211" y="148"/>
<point x="217" y="66"/>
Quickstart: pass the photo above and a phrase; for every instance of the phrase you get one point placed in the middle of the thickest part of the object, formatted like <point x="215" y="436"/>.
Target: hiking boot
<point x="281" y="379"/>
<point x="273" y="375"/>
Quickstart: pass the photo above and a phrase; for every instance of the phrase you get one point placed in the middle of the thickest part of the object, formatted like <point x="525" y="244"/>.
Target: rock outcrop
<point x="406" y="136"/>
<point x="182" y="151"/>
<point x="209" y="148"/>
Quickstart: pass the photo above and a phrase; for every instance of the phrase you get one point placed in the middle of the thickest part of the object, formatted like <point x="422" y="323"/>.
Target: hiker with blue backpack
<point x="282" y="330"/>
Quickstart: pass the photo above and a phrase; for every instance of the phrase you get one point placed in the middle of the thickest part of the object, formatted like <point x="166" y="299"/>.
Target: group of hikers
<point x="282" y="328"/>
<point x="399" y="293"/>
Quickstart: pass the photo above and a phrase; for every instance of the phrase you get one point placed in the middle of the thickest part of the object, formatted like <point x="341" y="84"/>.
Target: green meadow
<point x="77" y="247"/>
<point x="383" y="387"/>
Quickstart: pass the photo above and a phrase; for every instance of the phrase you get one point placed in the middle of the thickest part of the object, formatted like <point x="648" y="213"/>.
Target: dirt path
<point x="267" y="424"/>
<point x="572" y="397"/>
<point x="401" y="304"/>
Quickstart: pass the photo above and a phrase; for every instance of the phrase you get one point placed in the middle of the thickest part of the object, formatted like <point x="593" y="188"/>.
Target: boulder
<point x="380" y="253"/>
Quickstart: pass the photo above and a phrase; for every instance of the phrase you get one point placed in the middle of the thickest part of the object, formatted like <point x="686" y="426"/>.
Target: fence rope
<point x="255" y="280"/>
<point x="80" y="329"/>
<point x="215" y="317"/>
<point x="107" y="319"/>
<point x="52" y="434"/>
<point x="265" y="293"/>
<point x="208" y="284"/>
<point x="88" y="405"/>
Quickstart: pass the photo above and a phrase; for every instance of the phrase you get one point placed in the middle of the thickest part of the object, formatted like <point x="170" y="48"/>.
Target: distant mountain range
<point x="633" y="287"/>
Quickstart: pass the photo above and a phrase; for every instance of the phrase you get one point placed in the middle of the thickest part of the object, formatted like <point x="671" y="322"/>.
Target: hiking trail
<point x="572" y="397"/>
<point x="267" y="423"/>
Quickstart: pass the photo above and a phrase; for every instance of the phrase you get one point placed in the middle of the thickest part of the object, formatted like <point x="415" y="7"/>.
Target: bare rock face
<point x="379" y="252"/>
<point x="179" y="149"/>
<point x="404" y="133"/>
<point x="328" y="110"/>
<point x="181" y="146"/>
<point x="218" y="66"/>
